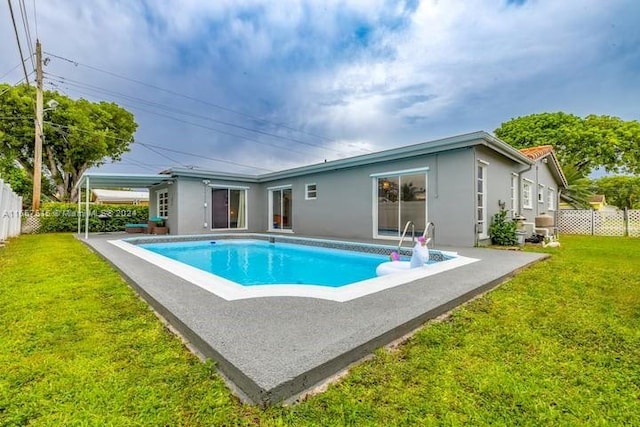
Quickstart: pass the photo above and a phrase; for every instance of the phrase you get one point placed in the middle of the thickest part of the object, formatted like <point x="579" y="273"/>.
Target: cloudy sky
<point x="250" y="86"/>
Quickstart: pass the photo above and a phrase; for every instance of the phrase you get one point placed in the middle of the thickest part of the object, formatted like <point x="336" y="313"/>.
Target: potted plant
<point x="503" y="231"/>
<point x="157" y="226"/>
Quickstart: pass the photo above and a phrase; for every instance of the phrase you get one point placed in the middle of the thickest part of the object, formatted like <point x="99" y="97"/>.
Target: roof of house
<point x="597" y="198"/>
<point x="431" y="147"/>
<point x="543" y="152"/>
<point x="535" y="153"/>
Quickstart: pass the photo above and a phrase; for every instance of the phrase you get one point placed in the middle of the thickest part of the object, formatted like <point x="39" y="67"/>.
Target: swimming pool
<point x="259" y="262"/>
<point x="238" y="268"/>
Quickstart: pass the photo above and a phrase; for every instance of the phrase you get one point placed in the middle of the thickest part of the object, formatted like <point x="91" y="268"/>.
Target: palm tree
<point x="578" y="191"/>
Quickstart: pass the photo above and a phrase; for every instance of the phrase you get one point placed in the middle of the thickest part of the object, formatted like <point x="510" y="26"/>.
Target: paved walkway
<point x="275" y="348"/>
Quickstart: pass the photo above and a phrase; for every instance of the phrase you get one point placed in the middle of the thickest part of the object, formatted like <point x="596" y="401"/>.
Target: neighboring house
<point x="120" y="197"/>
<point x="458" y="183"/>
<point x="540" y="185"/>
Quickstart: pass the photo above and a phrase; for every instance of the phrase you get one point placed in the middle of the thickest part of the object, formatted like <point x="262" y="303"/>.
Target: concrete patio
<point x="274" y="349"/>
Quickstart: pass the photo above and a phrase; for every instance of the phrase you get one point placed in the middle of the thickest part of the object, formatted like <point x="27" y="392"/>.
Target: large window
<point x="551" y="199"/>
<point x="527" y="194"/>
<point x="280" y="208"/>
<point x="515" y="197"/>
<point x="228" y="208"/>
<point x="402" y="197"/>
<point x="163" y="203"/>
<point x="481" y="195"/>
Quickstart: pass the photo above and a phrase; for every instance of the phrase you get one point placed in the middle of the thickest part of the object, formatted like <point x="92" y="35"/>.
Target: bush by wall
<point x="56" y="217"/>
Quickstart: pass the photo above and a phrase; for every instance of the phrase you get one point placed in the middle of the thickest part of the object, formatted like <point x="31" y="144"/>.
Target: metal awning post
<point x="79" y="208"/>
<point x="86" y="212"/>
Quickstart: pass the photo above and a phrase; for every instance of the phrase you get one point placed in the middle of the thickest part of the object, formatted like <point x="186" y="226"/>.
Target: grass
<point x="559" y="344"/>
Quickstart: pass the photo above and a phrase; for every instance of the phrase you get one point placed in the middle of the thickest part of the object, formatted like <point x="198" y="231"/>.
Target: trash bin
<point x="520" y="235"/>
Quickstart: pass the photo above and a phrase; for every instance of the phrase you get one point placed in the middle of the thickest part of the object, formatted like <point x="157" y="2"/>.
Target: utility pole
<point x="39" y="132"/>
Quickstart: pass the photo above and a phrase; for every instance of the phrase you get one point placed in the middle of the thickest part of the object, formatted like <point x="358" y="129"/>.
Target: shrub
<point x="56" y="217"/>
<point x="503" y="230"/>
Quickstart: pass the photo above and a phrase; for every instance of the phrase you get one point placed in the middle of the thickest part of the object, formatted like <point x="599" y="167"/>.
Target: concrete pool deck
<point x="272" y="349"/>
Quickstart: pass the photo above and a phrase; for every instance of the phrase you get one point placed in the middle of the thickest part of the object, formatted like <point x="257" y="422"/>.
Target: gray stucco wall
<point x="499" y="172"/>
<point x="540" y="173"/>
<point x="345" y="198"/>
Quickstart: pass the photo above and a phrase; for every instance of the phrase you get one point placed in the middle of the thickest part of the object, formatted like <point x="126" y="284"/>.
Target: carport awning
<point x="120" y="180"/>
<point x="113" y="180"/>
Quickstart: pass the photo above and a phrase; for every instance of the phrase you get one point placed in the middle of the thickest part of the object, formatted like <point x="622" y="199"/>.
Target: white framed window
<point x="310" y="191"/>
<point x="399" y="197"/>
<point x="481" y="206"/>
<point x="527" y="194"/>
<point x="551" y="199"/>
<point x="163" y="203"/>
<point x="540" y="193"/>
<point x="515" y="195"/>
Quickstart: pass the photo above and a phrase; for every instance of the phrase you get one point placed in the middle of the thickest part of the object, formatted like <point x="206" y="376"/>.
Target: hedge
<point x="56" y="217"/>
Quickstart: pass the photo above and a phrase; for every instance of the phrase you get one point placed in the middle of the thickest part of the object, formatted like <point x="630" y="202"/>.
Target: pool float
<point x="419" y="258"/>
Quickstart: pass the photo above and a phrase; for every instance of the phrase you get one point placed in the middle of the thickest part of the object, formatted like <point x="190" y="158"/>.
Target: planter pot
<point x="160" y="230"/>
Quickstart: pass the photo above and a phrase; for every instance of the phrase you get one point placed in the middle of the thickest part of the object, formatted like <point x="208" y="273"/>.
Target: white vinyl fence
<point x="10" y="212"/>
<point x="600" y="223"/>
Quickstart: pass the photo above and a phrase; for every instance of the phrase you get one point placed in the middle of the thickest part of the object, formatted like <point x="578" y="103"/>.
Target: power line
<point x="35" y="18"/>
<point x="15" y="29"/>
<point x="163" y="148"/>
<point x="221" y="107"/>
<point x="169" y="109"/>
<point x="27" y="30"/>
<point x="177" y="111"/>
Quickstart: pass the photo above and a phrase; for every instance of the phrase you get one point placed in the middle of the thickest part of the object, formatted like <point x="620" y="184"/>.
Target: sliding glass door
<point x="401" y="198"/>
<point x="280" y="209"/>
<point x="228" y="208"/>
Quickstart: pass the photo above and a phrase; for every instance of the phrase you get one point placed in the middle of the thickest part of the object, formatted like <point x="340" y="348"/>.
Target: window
<point x="540" y="193"/>
<point x="551" y="199"/>
<point x="399" y="197"/>
<point x="527" y="194"/>
<point x="163" y="203"/>
<point x="311" y="192"/>
<point x="514" y="196"/>
<point x="228" y="208"/>
<point x="481" y="193"/>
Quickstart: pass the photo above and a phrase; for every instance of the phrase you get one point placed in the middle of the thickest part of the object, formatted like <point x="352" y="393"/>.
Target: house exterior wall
<point x="540" y="174"/>
<point x="346" y="205"/>
<point x="499" y="172"/>
<point x="172" y="217"/>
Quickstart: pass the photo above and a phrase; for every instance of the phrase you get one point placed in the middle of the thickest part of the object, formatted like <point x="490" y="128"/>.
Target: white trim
<point x="246" y="207"/>
<point x="230" y="187"/>
<point x="231" y="291"/>
<point x="484" y="222"/>
<point x="158" y="192"/>
<point x="306" y="191"/>
<point x="400" y="172"/>
<point x="375" y="202"/>
<point x="528" y="193"/>
<point x="279" y="187"/>
<point x="484" y="162"/>
<point x="551" y="199"/>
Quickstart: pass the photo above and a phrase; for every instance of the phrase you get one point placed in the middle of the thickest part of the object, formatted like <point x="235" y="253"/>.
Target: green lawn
<point x="557" y="345"/>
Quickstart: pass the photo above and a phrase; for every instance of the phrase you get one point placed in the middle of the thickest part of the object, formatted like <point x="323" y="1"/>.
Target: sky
<point x="250" y="86"/>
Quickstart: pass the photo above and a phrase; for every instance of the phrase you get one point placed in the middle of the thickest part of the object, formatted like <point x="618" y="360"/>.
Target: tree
<point x="586" y="143"/>
<point x="579" y="189"/>
<point x="620" y="191"/>
<point x="78" y="135"/>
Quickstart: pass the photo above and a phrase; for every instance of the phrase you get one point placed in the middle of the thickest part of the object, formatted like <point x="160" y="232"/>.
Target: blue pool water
<point x="257" y="262"/>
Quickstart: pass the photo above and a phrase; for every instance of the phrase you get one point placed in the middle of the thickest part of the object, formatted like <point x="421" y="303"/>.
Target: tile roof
<point x="535" y="153"/>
